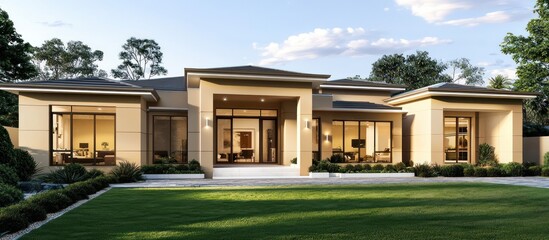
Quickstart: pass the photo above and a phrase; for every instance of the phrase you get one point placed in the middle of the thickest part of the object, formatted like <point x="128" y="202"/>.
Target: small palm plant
<point x="500" y="82"/>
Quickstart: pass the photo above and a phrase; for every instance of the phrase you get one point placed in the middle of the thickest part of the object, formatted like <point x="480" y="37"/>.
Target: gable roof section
<point x="363" y="84"/>
<point x="458" y="90"/>
<point x="255" y="70"/>
<point x="165" y="84"/>
<point x="90" y="85"/>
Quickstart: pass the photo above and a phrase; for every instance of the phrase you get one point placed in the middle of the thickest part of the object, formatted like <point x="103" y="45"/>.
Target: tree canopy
<point x="15" y="60"/>
<point x="499" y="82"/>
<point x="462" y="69"/>
<point x="55" y="60"/>
<point x="415" y="70"/>
<point x="141" y="58"/>
<point x="531" y="53"/>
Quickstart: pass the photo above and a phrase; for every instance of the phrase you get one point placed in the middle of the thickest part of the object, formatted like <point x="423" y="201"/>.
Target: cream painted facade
<point x="412" y="130"/>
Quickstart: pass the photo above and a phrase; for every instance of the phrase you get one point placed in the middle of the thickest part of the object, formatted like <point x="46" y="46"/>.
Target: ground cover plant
<point x="406" y="211"/>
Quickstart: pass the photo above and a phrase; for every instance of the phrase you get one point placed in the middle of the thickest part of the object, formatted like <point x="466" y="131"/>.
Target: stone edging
<point x="51" y="216"/>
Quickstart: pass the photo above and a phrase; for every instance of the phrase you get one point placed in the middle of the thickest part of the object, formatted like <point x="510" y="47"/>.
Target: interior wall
<point x="243" y="124"/>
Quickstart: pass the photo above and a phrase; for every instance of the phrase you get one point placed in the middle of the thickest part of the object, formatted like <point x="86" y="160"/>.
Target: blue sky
<point x="342" y="38"/>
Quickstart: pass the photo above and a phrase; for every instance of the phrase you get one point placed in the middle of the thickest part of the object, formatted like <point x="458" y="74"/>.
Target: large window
<point x="362" y="141"/>
<point x="170" y="139"/>
<point x="83" y="134"/>
<point x="457" y="139"/>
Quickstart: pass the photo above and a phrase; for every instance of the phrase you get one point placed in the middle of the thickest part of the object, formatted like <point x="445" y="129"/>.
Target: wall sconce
<point x="326" y="137"/>
<point x="208" y="122"/>
<point x="307" y="124"/>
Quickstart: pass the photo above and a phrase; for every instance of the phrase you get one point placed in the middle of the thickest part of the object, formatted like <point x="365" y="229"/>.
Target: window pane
<point x="246" y="112"/>
<point x="161" y="137"/>
<point x="463" y="139"/>
<point x="315" y="127"/>
<point x="450" y="139"/>
<point x="104" y="139"/>
<point x="82" y="139"/>
<point x="367" y="137"/>
<point x="99" y="109"/>
<point x="268" y="113"/>
<point x="383" y="141"/>
<point x="179" y="139"/>
<point x="337" y="137"/>
<point x="269" y="141"/>
<point x="224" y="140"/>
<point x="351" y="141"/>
<point x="246" y="140"/>
<point x="61" y="142"/>
<point x="224" y="112"/>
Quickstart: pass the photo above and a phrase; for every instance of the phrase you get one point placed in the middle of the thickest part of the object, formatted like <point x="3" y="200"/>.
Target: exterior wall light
<point x="208" y="122"/>
<point x="307" y="124"/>
<point x="326" y="137"/>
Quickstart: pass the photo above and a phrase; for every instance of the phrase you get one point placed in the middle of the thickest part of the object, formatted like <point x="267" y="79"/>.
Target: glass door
<point x="269" y="140"/>
<point x="457" y="139"/>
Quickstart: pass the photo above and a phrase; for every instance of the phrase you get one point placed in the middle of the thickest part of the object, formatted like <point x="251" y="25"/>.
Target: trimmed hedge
<point x="18" y="216"/>
<point x="9" y="195"/>
<point x="513" y="169"/>
<point x="455" y="170"/>
<point x="545" y="171"/>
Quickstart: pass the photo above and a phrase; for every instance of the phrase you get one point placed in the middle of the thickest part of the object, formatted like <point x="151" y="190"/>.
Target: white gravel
<point x="51" y="216"/>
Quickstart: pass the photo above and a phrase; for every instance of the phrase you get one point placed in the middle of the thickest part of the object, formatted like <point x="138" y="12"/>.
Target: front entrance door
<point x="457" y="139"/>
<point x="246" y="139"/>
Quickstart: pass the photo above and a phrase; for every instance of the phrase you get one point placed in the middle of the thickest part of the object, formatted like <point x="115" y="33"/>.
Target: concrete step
<point x="255" y="172"/>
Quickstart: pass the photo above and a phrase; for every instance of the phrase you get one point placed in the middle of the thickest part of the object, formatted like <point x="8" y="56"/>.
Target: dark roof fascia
<point x="350" y="82"/>
<point x="282" y="73"/>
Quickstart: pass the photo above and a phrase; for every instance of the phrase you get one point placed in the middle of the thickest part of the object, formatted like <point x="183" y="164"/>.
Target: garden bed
<point x="359" y="175"/>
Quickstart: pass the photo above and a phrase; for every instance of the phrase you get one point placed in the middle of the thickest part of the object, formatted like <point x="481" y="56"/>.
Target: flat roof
<point x="458" y="90"/>
<point x="165" y="84"/>
<point x="364" y="83"/>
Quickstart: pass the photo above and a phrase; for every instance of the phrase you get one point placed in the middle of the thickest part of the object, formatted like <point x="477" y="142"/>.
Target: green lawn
<point x="405" y="211"/>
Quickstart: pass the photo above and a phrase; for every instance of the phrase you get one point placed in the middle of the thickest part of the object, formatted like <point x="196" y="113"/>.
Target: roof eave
<point x="446" y="93"/>
<point x="359" y="110"/>
<point x="333" y="86"/>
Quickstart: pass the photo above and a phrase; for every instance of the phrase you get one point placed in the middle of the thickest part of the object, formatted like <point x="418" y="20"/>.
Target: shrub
<point x="194" y="165"/>
<point x="378" y="167"/>
<point x="480" y="172"/>
<point x="24" y="164"/>
<point x="349" y="168"/>
<point x="94" y="173"/>
<point x="532" y="171"/>
<point x="546" y="159"/>
<point x="367" y="167"/>
<point x="410" y="169"/>
<point x="545" y="171"/>
<point x="325" y="166"/>
<point x="52" y="201"/>
<point x="9" y="195"/>
<point x="486" y="155"/>
<point x="12" y="221"/>
<point x="293" y="161"/>
<point x="423" y="170"/>
<point x="358" y="168"/>
<point x="455" y="170"/>
<point x="128" y="172"/>
<point x="70" y="173"/>
<point x="8" y="175"/>
<point x="495" y="171"/>
<point x="6" y="147"/>
<point x="389" y="168"/>
<point x="30" y="186"/>
<point x="468" y="171"/>
<point x="337" y="158"/>
<point x="436" y="170"/>
<point x="513" y="169"/>
<point x="30" y="211"/>
<point x="400" y="166"/>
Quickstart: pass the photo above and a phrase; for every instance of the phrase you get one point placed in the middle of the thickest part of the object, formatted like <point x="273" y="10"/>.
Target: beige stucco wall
<point x="327" y="117"/>
<point x="499" y="123"/>
<point x="536" y="147"/>
<point x="34" y="122"/>
<point x="14" y="135"/>
<point x="201" y="107"/>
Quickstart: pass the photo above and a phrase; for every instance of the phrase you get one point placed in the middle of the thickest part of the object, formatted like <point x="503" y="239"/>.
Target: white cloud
<point x="510" y="73"/>
<point x="437" y="11"/>
<point x="57" y="23"/>
<point x="337" y="41"/>
<point x="434" y="10"/>
<point x="386" y="9"/>
<point x="491" y="17"/>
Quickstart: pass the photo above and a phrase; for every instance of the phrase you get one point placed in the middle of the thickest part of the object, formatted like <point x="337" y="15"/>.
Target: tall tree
<point x="415" y="70"/>
<point x="55" y="60"/>
<point x="462" y="69"/>
<point x="15" y="64"/>
<point x="499" y="82"/>
<point x="531" y="55"/>
<point x="15" y="53"/>
<point x="141" y="58"/>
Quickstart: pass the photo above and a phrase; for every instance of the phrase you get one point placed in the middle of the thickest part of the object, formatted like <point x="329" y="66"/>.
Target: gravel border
<point x="51" y="216"/>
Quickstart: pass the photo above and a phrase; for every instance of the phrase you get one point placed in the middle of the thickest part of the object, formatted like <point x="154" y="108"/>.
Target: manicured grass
<point x="406" y="211"/>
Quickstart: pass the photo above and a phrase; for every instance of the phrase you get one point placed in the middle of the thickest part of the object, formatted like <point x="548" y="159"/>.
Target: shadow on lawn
<point x="395" y="211"/>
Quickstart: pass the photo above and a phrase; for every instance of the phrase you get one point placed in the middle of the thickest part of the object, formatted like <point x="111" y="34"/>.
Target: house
<point x="250" y="117"/>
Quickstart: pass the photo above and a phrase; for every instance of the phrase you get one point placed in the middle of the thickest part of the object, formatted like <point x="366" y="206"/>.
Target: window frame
<point x="71" y="114"/>
<point x="359" y="132"/>
<point x="170" y="136"/>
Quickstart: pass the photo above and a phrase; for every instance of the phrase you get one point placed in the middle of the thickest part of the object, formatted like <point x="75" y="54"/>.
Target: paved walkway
<point x="540" y="182"/>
